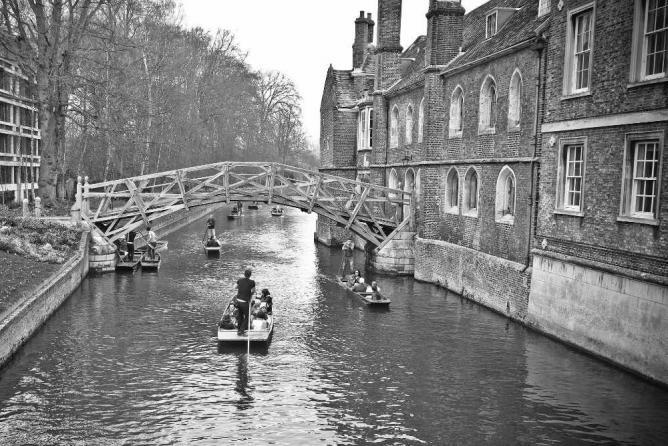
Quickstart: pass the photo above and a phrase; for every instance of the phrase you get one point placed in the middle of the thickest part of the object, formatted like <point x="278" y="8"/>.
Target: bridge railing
<point x="118" y="206"/>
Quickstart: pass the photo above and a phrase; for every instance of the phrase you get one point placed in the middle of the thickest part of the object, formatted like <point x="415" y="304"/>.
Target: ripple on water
<point x="133" y="359"/>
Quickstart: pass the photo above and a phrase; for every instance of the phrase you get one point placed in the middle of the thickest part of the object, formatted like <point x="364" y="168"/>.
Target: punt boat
<point x="212" y="246"/>
<point x="127" y="265"/>
<point x="366" y="298"/>
<point x="277" y="212"/>
<point x="260" y="331"/>
<point x="234" y="213"/>
<point x="150" y="264"/>
<point x="254" y="206"/>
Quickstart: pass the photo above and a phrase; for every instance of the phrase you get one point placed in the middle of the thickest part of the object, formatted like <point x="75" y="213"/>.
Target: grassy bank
<point x="30" y="251"/>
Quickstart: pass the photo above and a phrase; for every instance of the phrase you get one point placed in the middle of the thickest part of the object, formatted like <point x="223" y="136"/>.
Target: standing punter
<point x="245" y="291"/>
<point x="348" y="266"/>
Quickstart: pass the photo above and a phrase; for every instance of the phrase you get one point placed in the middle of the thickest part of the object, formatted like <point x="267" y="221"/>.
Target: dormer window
<point x="490" y="25"/>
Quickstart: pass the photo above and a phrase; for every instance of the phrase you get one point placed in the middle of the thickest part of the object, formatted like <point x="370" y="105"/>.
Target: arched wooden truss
<point x="116" y="207"/>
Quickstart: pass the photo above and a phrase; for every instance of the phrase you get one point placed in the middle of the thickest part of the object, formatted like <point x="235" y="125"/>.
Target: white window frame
<point x="466" y="209"/>
<point x="365" y="129"/>
<point x="489" y="34"/>
<point x="515" y="100"/>
<point x="501" y="201"/>
<point x="421" y="122"/>
<point x="570" y="62"/>
<point x="562" y="206"/>
<point x="456" y="112"/>
<point x="639" y="47"/>
<point x="485" y="106"/>
<point x="394" y="127"/>
<point x="629" y="185"/>
<point x="449" y="207"/>
<point x="409" y="125"/>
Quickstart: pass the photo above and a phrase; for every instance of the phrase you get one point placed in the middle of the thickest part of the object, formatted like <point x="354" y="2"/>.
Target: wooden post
<point x="38" y="207"/>
<point x="85" y="209"/>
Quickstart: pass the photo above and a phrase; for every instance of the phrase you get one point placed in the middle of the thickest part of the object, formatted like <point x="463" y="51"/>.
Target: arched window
<point x="393" y="183"/>
<point x="506" y="186"/>
<point x="487" y="121"/>
<point x="421" y="121"/>
<point x="452" y="192"/>
<point x="470" y="204"/>
<point x="409" y="186"/>
<point x="394" y="127"/>
<point x="418" y="188"/>
<point x="409" y="125"/>
<point x="456" y="111"/>
<point x="515" y="100"/>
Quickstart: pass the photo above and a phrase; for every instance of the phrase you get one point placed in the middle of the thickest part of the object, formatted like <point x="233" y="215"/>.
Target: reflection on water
<point x="133" y="359"/>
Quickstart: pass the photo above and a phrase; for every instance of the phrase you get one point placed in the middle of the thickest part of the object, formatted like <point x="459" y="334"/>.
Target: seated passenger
<point x="354" y="278"/>
<point x="226" y="323"/>
<point x="267" y="299"/>
<point x="375" y="291"/>
<point x="359" y="287"/>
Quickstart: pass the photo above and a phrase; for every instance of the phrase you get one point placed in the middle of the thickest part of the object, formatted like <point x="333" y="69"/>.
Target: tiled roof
<point x="412" y="74"/>
<point x="519" y="28"/>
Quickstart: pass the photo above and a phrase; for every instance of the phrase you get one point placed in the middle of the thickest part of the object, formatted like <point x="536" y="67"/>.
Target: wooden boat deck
<point x="366" y="298"/>
<point x="253" y="335"/>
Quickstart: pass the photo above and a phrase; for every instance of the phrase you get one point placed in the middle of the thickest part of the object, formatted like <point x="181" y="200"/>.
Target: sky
<point x="301" y="38"/>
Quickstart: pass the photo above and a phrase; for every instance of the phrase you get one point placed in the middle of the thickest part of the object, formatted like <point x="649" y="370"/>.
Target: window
<point x="570" y="175"/>
<point x="5" y="112"/>
<point x="421" y="121"/>
<point x="577" y="71"/>
<point x="656" y="32"/>
<point x="650" y="40"/>
<point x="452" y="192"/>
<point x="471" y="193"/>
<point x="487" y="120"/>
<point x="490" y="28"/>
<point x="505" y="196"/>
<point x="642" y="176"/>
<point x="543" y="7"/>
<point x="365" y="129"/>
<point x="456" y="112"/>
<point x="394" y="130"/>
<point x="515" y="101"/>
<point x="4" y="143"/>
<point x="5" y="80"/>
<point x="409" y="125"/>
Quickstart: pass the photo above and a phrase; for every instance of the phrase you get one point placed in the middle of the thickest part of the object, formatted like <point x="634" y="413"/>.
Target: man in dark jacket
<point x="245" y="291"/>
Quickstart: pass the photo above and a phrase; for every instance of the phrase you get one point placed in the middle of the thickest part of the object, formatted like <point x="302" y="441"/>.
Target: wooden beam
<point x="181" y="188"/>
<point x="360" y="203"/>
<point x="390" y="237"/>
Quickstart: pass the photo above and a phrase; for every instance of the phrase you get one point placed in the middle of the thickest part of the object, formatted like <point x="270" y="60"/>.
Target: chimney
<point x="389" y="25"/>
<point x="388" y="46"/>
<point x="363" y="33"/>
<point x="445" y="23"/>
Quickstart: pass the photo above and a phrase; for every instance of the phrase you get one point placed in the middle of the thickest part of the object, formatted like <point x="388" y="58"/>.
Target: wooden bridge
<point x="370" y="211"/>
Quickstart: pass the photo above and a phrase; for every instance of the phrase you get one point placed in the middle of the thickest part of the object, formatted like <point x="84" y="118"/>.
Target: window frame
<point x="627" y="199"/>
<point x="457" y="94"/>
<point x="570" y="64"/>
<point x="500" y="197"/>
<point x="421" y="122"/>
<point x="544" y="7"/>
<point x="409" y="125"/>
<point x="643" y="55"/>
<point x="562" y="174"/>
<point x="394" y="127"/>
<point x="466" y="209"/>
<point x="517" y="74"/>
<point x="487" y="106"/>
<point x="449" y="208"/>
<point x="639" y="48"/>
<point x="365" y="129"/>
<point x="487" y="23"/>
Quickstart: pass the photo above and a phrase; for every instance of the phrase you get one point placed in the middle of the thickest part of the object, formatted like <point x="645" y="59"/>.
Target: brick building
<point x="532" y="132"/>
<point x="600" y="270"/>
<point x="19" y="131"/>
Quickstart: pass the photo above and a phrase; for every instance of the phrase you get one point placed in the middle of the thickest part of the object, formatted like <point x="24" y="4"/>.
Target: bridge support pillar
<point x="397" y="257"/>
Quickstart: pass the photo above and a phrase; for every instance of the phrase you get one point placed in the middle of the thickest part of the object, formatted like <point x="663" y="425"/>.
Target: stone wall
<point x="620" y="318"/>
<point x="496" y="283"/>
<point x="397" y="257"/>
<point x="18" y="326"/>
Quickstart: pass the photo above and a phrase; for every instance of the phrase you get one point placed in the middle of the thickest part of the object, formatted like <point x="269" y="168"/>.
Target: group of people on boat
<point x="245" y="311"/>
<point x="128" y="254"/>
<point x="354" y="280"/>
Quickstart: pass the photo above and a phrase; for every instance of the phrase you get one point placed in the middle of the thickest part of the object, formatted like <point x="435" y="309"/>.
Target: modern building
<point x="532" y="132"/>
<point x="19" y="131"/>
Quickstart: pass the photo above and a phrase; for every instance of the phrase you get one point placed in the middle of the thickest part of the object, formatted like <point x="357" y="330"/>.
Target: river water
<point x="133" y="359"/>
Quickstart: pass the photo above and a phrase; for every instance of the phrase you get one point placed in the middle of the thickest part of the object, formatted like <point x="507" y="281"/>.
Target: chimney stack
<point x="363" y="37"/>
<point x="445" y="24"/>
<point x="389" y="25"/>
